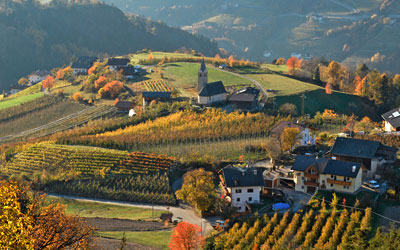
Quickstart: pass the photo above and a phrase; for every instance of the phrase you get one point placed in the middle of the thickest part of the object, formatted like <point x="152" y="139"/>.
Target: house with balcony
<point x="242" y="186"/>
<point x="311" y="174"/>
<point x="392" y="120"/>
<point x="371" y="154"/>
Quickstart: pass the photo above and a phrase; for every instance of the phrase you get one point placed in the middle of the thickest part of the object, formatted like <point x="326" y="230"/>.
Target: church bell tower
<point x="202" y="79"/>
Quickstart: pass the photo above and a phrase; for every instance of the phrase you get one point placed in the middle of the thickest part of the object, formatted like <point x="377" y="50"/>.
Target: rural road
<point x="247" y="78"/>
<point x="181" y="213"/>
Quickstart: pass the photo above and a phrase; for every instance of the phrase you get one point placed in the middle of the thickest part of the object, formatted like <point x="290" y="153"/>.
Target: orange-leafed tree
<point x="359" y="83"/>
<point x="77" y="97"/>
<point x="64" y="73"/>
<point x="293" y="64"/>
<point x="186" y="236"/>
<point x="111" y="89"/>
<point x="328" y="89"/>
<point x="231" y="60"/>
<point x="55" y="230"/>
<point x="92" y="69"/>
<point x="150" y="57"/>
<point x="100" y="82"/>
<point x="48" y="82"/>
<point x="217" y="56"/>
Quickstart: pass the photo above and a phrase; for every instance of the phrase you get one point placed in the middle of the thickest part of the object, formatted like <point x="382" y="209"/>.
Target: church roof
<point x="213" y="88"/>
<point x="203" y="66"/>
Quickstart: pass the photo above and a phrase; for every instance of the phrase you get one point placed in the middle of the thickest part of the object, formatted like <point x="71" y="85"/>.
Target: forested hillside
<point x="35" y="36"/>
<point x="343" y="30"/>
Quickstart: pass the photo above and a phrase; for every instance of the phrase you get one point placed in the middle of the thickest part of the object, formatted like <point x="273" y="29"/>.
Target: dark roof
<point x="342" y="168"/>
<point x="203" y="66"/>
<point x="278" y="129"/>
<point x="124" y="104"/>
<point x="156" y="94"/>
<point x="81" y="65"/>
<point x="213" y="88"/>
<point x="355" y="147"/>
<point x="248" y="90"/>
<point x="41" y="73"/>
<point x="89" y="59"/>
<point x="242" y="98"/>
<point x="393" y="117"/>
<point x="243" y="177"/>
<point x="118" y="61"/>
<point x="127" y="70"/>
<point x="303" y="162"/>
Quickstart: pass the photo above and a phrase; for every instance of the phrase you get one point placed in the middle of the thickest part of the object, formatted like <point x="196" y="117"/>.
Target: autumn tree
<point x="231" y="61"/>
<point x="198" y="189"/>
<point x="77" y="97"/>
<point x="366" y="124"/>
<point x="359" y="85"/>
<point x="48" y="82"/>
<point x="328" y="89"/>
<point x="111" y="89"/>
<point x="53" y="229"/>
<point x="23" y="81"/>
<point x="334" y="72"/>
<point x="289" y="138"/>
<point x="186" y="236"/>
<point x="64" y="73"/>
<point x="100" y="82"/>
<point x="293" y="64"/>
<point x="288" y="109"/>
<point x="273" y="149"/>
<point x="280" y="61"/>
<point x="150" y="57"/>
<point x="15" y="226"/>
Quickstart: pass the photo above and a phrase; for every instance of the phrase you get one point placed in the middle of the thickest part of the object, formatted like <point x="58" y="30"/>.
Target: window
<point x="302" y="178"/>
<point x="302" y="187"/>
<point x="331" y="185"/>
<point x="250" y="190"/>
<point x="250" y="198"/>
<point x="238" y="191"/>
<point x="237" y="199"/>
<point x="331" y="176"/>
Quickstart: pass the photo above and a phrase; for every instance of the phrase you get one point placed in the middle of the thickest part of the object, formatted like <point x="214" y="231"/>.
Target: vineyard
<point x="28" y="107"/>
<point x="95" y="172"/>
<point x="181" y="128"/>
<point x="320" y="227"/>
<point x="158" y="85"/>
<point x="64" y="123"/>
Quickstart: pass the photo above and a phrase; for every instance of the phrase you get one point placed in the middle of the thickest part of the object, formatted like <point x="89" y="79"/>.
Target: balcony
<point x="309" y="183"/>
<point x="343" y="183"/>
<point x="313" y="176"/>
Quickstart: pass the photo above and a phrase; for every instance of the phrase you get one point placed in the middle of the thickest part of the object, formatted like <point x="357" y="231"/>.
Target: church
<point x="209" y="93"/>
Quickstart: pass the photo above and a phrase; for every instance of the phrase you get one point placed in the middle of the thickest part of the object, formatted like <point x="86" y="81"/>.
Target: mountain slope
<point x="253" y="28"/>
<point x="33" y="36"/>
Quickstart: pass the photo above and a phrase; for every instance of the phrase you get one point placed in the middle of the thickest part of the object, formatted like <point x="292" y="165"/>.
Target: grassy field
<point x="275" y="68"/>
<point x="135" y="58"/>
<point x="19" y="100"/>
<point x="184" y="76"/>
<point x="283" y="85"/>
<point x="95" y="209"/>
<point x="155" y="239"/>
<point x="317" y="100"/>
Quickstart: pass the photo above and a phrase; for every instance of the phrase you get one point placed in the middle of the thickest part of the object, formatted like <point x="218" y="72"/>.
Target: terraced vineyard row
<point x="95" y="172"/>
<point x="64" y="123"/>
<point x="158" y="85"/>
<point x="311" y="229"/>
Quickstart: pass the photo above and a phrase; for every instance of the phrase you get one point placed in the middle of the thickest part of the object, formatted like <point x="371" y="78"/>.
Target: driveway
<point x="181" y="213"/>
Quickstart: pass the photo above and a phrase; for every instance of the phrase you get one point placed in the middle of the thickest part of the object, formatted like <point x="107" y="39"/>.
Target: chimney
<point x="353" y="169"/>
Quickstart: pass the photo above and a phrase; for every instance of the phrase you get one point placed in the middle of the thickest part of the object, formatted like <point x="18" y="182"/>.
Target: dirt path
<point x="181" y="213"/>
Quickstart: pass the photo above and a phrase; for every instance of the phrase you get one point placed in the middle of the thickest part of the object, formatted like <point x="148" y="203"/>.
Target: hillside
<point x="29" y="41"/>
<point x="252" y="28"/>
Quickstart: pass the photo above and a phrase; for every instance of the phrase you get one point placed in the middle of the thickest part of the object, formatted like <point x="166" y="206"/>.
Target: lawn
<point x="135" y="58"/>
<point x="350" y="198"/>
<point x="183" y="75"/>
<point x="281" y="84"/>
<point x="154" y="239"/>
<point x="276" y="68"/>
<point x="95" y="209"/>
<point x="19" y="100"/>
<point x="318" y="100"/>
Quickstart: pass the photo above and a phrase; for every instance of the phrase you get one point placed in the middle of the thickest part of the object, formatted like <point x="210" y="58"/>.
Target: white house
<point x="117" y="63"/>
<point x="243" y="186"/>
<point x="82" y="65"/>
<point x="305" y="137"/>
<point x="212" y="93"/>
<point x="38" y="76"/>
<point x="311" y="174"/>
<point x="392" y="120"/>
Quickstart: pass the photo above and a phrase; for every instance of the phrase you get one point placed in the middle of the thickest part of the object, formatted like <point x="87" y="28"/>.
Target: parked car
<point x="373" y="184"/>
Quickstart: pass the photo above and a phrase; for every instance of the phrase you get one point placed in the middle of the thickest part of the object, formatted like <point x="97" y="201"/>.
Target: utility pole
<point x="303" y="96"/>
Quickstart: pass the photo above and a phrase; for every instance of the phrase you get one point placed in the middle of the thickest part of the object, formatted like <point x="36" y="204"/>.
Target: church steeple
<point x="202" y="77"/>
